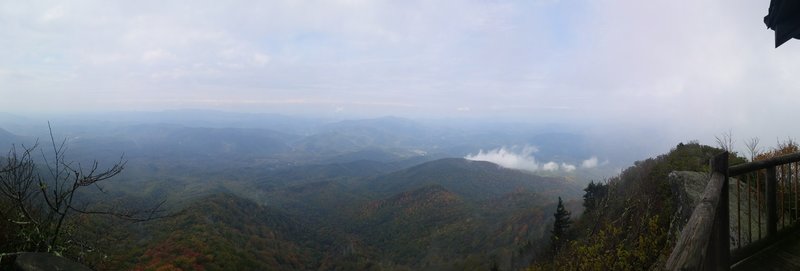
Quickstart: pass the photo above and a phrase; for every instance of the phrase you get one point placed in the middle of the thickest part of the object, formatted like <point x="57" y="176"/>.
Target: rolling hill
<point x="474" y="180"/>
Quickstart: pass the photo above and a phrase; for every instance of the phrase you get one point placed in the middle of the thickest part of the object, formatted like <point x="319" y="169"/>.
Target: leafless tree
<point x="753" y="148"/>
<point x="725" y="141"/>
<point x="42" y="200"/>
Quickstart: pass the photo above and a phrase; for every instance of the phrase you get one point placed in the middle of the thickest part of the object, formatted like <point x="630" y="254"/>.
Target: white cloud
<point x="157" y="55"/>
<point x="519" y="158"/>
<point x="52" y="14"/>
<point x="590" y="163"/>
<point x="260" y="59"/>
<point x="516" y="158"/>
<point x="550" y="166"/>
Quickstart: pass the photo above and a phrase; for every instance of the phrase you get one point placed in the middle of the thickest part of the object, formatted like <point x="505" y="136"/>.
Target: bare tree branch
<point x="725" y="141"/>
<point x="45" y="209"/>
<point x="753" y="148"/>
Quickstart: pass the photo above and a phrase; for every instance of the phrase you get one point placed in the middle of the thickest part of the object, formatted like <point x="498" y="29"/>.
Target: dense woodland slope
<point x="449" y="214"/>
<point x="630" y="220"/>
<point x="438" y="215"/>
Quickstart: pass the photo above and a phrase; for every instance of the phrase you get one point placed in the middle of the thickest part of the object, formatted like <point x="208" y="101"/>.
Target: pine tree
<point x="595" y="192"/>
<point x="589" y="196"/>
<point x="560" y="226"/>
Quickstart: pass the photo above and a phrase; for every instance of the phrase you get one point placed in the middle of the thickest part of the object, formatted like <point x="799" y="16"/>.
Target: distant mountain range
<point x="277" y="139"/>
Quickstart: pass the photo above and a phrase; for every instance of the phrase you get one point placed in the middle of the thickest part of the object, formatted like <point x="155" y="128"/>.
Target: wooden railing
<point x="703" y="241"/>
<point x="765" y="207"/>
<point x="767" y="200"/>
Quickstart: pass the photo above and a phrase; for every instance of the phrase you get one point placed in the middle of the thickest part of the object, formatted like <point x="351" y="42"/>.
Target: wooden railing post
<point x="772" y="203"/>
<point x="719" y="255"/>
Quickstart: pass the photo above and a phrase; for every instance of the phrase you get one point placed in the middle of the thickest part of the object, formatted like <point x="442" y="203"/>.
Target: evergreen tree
<point x="595" y="192"/>
<point x="589" y="196"/>
<point x="560" y="226"/>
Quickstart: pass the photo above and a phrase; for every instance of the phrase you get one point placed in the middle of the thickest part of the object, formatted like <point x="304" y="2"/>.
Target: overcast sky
<point x="697" y="66"/>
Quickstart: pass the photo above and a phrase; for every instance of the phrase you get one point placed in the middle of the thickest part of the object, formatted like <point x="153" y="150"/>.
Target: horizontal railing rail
<point x="757" y="165"/>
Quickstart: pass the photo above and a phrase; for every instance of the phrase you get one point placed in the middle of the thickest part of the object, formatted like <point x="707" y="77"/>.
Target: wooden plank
<point x="764" y="255"/>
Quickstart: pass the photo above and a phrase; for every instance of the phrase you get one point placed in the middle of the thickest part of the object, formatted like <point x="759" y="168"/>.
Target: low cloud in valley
<point x="523" y="158"/>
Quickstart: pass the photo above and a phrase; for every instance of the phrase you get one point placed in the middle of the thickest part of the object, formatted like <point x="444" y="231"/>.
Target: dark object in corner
<point x="784" y="18"/>
<point x="37" y="261"/>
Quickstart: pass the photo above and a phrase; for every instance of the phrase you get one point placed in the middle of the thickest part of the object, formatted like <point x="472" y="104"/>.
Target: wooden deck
<point x="784" y="255"/>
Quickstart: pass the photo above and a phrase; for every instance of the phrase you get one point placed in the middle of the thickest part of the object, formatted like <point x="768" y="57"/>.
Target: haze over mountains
<point x="200" y="148"/>
<point x="302" y="193"/>
<point x="201" y="134"/>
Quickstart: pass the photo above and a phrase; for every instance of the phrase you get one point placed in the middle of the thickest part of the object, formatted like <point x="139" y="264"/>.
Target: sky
<point x="693" y="67"/>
